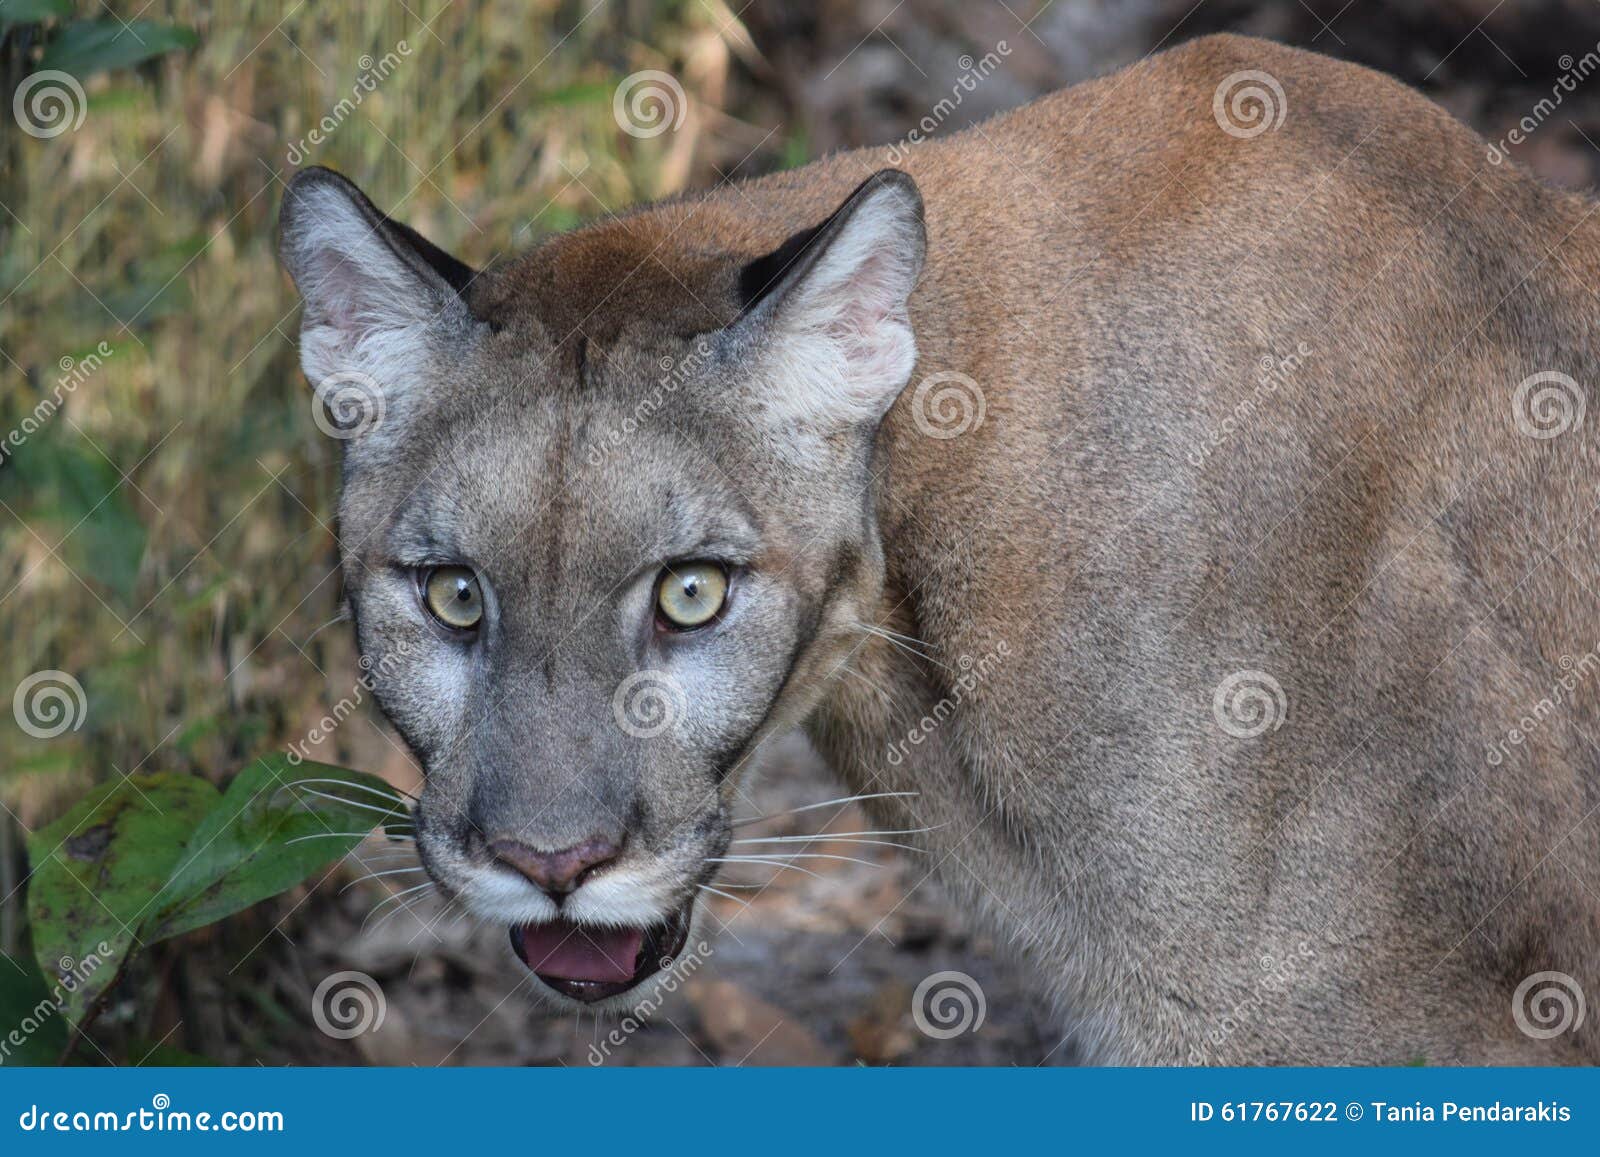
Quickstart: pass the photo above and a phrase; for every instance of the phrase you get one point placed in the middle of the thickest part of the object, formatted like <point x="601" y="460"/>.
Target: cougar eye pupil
<point x="689" y="595"/>
<point x="451" y="596"/>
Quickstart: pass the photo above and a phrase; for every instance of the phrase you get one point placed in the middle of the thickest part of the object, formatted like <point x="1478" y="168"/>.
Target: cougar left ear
<point x="825" y="315"/>
<point x="379" y="297"/>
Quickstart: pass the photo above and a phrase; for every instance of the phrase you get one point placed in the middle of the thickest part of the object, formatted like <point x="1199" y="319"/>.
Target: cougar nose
<point x="556" y="873"/>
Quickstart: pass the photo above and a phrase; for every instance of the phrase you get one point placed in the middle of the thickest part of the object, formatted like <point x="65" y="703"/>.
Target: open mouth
<point x="591" y="963"/>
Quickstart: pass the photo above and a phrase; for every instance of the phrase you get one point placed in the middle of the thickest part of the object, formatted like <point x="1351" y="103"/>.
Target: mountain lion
<point x="1171" y="501"/>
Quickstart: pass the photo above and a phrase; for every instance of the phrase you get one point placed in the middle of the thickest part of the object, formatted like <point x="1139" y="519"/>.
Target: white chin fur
<point x="620" y="899"/>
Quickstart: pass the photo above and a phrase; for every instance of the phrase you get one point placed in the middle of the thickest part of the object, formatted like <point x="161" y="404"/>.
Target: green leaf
<point x="14" y="12"/>
<point x="154" y="856"/>
<point x="97" y="871"/>
<point x="35" y="1032"/>
<point x="86" y="47"/>
<point x="277" y="825"/>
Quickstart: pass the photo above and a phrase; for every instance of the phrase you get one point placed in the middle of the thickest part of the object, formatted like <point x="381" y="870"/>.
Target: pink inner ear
<point x="340" y="292"/>
<point x="872" y="293"/>
<point x="872" y="329"/>
<point x="845" y="344"/>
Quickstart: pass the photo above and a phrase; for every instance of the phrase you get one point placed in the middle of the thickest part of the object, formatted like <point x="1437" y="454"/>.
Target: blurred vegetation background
<point x="165" y="535"/>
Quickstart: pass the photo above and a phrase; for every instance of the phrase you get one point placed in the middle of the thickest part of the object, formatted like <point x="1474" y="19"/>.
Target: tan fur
<point x="1360" y="884"/>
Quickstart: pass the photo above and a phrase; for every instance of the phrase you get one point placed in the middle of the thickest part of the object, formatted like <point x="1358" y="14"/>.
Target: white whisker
<point x="762" y="864"/>
<point x="848" y="835"/>
<point x="349" y="836"/>
<point x="342" y="617"/>
<point x="401" y="814"/>
<point x="718" y="892"/>
<point x="376" y="876"/>
<point x="786" y="857"/>
<point x="392" y="897"/>
<point x="357" y="786"/>
<point x="826" y="839"/>
<point x="842" y="800"/>
<point x="904" y="642"/>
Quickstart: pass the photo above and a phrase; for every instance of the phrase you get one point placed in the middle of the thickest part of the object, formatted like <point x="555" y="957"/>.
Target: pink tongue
<point x="570" y="952"/>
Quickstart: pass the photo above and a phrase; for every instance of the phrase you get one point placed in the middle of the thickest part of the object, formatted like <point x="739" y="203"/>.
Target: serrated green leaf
<point x="277" y="825"/>
<point x="86" y="47"/>
<point x="97" y="871"/>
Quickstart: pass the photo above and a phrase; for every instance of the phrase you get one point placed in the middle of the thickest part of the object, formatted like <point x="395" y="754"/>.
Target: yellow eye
<point x="690" y="595"/>
<point x="452" y="594"/>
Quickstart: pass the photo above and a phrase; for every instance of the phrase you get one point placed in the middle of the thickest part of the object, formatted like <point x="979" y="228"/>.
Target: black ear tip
<point x="900" y="185"/>
<point x="300" y="195"/>
<point x="898" y="180"/>
<point x="316" y="177"/>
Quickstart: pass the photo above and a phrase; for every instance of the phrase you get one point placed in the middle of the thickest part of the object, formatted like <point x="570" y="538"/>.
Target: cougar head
<point x="602" y="535"/>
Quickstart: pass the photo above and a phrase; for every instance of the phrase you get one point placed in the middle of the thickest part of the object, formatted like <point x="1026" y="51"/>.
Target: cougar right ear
<point x="378" y="296"/>
<point x="825" y="317"/>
